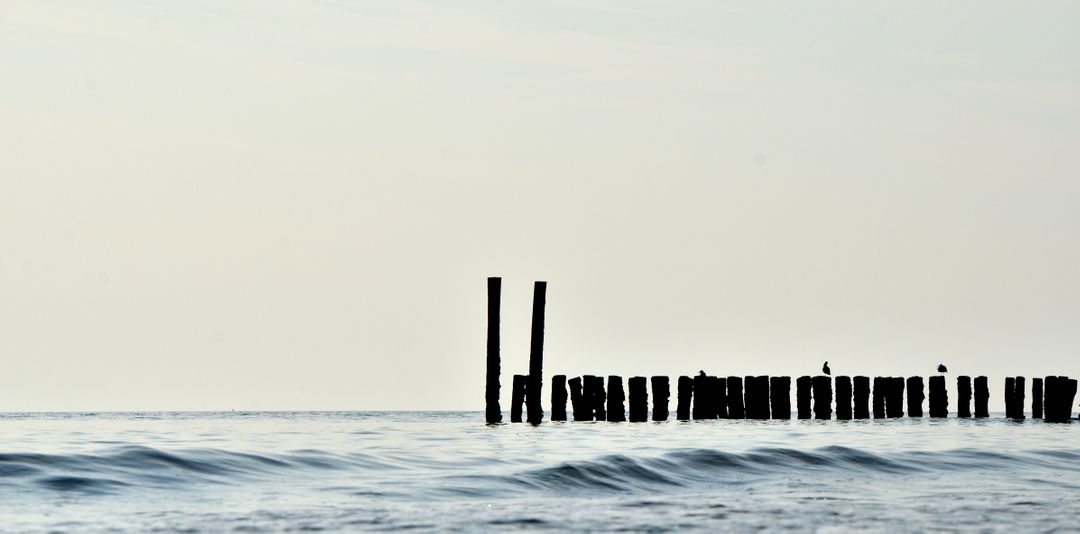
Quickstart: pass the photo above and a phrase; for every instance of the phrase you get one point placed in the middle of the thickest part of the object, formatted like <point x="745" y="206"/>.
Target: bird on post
<point x="942" y="369"/>
<point x="825" y="368"/>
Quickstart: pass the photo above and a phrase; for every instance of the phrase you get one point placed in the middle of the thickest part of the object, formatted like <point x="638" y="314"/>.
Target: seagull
<point x="825" y="368"/>
<point x="942" y="369"/>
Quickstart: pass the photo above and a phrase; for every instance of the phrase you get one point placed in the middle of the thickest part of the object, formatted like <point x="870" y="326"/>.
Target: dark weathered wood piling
<point x="582" y="410"/>
<point x="736" y="408"/>
<point x="757" y="397"/>
<point x="517" y="397"/>
<point x="1036" y="398"/>
<point x="1057" y="404"/>
<point x="982" y="397"/>
<point x="703" y="406"/>
<point x="861" y="400"/>
<point x="879" y="397"/>
<point x="661" y="392"/>
<point x="536" y="355"/>
<point x="558" y="398"/>
<point x="915" y="396"/>
<point x="894" y="397"/>
<point x="843" y="398"/>
<point x="718" y="387"/>
<point x="595" y="397"/>
<point x="492" y="411"/>
<point x="803" y="387"/>
<point x="616" y="399"/>
<point x="780" y="397"/>
<point x="686" y="393"/>
<point x="639" y="399"/>
<point x="963" y="396"/>
<point x="822" y="386"/>
<point x="939" y="397"/>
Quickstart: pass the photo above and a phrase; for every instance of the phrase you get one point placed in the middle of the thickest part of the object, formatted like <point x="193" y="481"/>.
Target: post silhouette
<point x="581" y="407"/>
<point x="1010" y="397"/>
<point x="1036" y="398"/>
<point x="880" y="385"/>
<point x="639" y="399"/>
<point x="702" y="400"/>
<point x="1019" y="398"/>
<point x="536" y="355"/>
<point x="517" y="397"/>
<point x="843" y="398"/>
<point x="861" y="387"/>
<point x="686" y="393"/>
<point x="894" y="399"/>
<point x="803" y="384"/>
<point x="616" y="407"/>
<point x="963" y="396"/>
<point x="594" y="394"/>
<point x="736" y="409"/>
<point x="719" y="396"/>
<point x="661" y="392"/>
<point x="939" y="397"/>
<point x="492" y="411"/>
<point x="982" y="397"/>
<point x="757" y="397"/>
<point x="915" y="396"/>
<point x="822" y="386"/>
<point x="558" y="398"/>
<point x="780" y="397"/>
<point x="1060" y="392"/>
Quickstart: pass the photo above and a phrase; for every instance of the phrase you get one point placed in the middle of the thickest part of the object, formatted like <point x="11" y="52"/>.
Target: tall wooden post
<point x="639" y="399"/>
<point x="822" y="386"/>
<point x="558" y="398"/>
<point x="803" y="384"/>
<point x="843" y="398"/>
<point x="536" y="354"/>
<point x="963" y="396"/>
<point x="661" y="394"/>
<point x="880" y="385"/>
<point x="595" y="396"/>
<point x="718" y="387"/>
<point x="1010" y="399"/>
<point x="780" y="397"/>
<point x="982" y="397"/>
<point x="1019" y="395"/>
<point x="736" y="408"/>
<point x="939" y="397"/>
<point x="616" y="407"/>
<point x="492" y="411"/>
<point x="894" y="402"/>
<point x="861" y="386"/>
<point x="915" y="396"/>
<point x="686" y="394"/>
<point x="582" y="406"/>
<point x="702" y="401"/>
<point x="1036" y="398"/>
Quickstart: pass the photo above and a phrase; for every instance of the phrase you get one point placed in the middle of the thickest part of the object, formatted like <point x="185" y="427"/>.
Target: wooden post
<point x="616" y="407"/>
<point x="701" y="398"/>
<point x="939" y="397"/>
<point x="736" y="409"/>
<point x="982" y="397"/>
<point x="880" y="385"/>
<point x="517" y="397"/>
<point x="1010" y="399"/>
<point x="595" y="396"/>
<point x="861" y="386"/>
<point x="492" y="411"/>
<point x="580" y="405"/>
<point x="558" y="398"/>
<point x="536" y="355"/>
<point x="915" y="396"/>
<point x="686" y="394"/>
<point x="719" y="396"/>
<point x="894" y="402"/>
<point x="843" y="398"/>
<point x="661" y="392"/>
<point x="1019" y="397"/>
<point x="822" y="386"/>
<point x="639" y="399"/>
<point x="757" y="397"/>
<point x="780" y="397"/>
<point x="1070" y="394"/>
<point x="963" y="396"/>
<point x="1060" y="392"/>
<point x="1036" y="398"/>
<point x="803" y="384"/>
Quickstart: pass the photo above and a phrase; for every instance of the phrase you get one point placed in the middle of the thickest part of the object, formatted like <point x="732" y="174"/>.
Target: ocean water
<point x="444" y="471"/>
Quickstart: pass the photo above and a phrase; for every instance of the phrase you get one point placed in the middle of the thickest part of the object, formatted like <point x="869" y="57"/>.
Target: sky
<point x="212" y="205"/>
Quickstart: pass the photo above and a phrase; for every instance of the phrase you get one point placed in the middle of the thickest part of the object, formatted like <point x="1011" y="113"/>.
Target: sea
<point x="449" y="471"/>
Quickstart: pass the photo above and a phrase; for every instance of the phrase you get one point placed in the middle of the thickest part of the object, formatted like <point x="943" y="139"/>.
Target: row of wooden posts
<point x="752" y="397"/>
<point x="765" y="397"/>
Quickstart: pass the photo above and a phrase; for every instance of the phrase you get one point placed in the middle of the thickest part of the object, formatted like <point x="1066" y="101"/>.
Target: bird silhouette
<point x="825" y="368"/>
<point x="942" y="369"/>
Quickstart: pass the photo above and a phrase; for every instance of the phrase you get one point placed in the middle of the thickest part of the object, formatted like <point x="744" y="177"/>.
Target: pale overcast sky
<point x="294" y="204"/>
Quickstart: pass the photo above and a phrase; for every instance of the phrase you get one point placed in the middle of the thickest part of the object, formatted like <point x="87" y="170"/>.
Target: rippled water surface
<point x="449" y="471"/>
